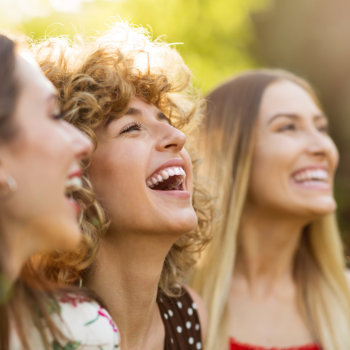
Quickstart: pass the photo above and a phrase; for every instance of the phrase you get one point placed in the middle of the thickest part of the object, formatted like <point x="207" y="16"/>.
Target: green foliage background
<point x="213" y="36"/>
<point x="218" y="38"/>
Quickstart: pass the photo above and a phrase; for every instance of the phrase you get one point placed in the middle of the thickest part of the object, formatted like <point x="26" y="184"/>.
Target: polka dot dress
<point x="181" y="322"/>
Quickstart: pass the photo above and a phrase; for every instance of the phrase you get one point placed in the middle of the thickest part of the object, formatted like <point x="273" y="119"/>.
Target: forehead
<point x="136" y="108"/>
<point x="143" y="107"/>
<point x="287" y="97"/>
<point x="31" y="77"/>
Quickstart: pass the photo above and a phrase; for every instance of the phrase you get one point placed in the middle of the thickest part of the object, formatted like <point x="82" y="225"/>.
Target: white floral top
<point x="87" y="325"/>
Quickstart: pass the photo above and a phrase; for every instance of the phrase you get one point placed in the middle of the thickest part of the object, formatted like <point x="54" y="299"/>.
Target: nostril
<point x="171" y="145"/>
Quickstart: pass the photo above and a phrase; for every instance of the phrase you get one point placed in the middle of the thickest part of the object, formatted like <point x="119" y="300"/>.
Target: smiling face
<point x="43" y="158"/>
<point x="142" y="174"/>
<point x="294" y="157"/>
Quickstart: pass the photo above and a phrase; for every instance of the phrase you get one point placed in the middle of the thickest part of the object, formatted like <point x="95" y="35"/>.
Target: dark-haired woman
<point x="40" y="158"/>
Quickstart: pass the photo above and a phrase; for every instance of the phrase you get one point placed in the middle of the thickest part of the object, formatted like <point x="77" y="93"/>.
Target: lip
<point x="75" y="205"/>
<point x="179" y="162"/>
<point x="76" y="173"/>
<point x="311" y="167"/>
<point x="184" y="194"/>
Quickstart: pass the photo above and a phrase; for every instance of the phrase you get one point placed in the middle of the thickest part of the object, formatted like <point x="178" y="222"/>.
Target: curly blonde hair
<point x="96" y="81"/>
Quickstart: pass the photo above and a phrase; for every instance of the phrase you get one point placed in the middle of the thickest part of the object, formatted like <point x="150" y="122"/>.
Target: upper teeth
<point x="73" y="183"/>
<point x="164" y="174"/>
<point x="308" y="175"/>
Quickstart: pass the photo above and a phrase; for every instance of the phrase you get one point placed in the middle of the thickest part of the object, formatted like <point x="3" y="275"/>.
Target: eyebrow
<point x="162" y="116"/>
<point x="293" y="116"/>
<point x="133" y="111"/>
<point x="137" y="112"/>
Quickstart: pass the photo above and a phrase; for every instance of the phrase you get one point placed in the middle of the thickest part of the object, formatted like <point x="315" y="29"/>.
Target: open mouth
<point x="168" y="179"/>
<point x="307" y="176"/>
<point x="72" y="185"/>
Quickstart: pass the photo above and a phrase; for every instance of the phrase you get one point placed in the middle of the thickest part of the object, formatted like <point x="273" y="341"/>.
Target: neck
<point x="17" y="247"/>
<point x="126" y="275"/>
<point x="267" y="249"/>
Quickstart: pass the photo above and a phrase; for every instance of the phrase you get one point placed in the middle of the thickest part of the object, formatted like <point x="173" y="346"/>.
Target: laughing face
<point x="295" y="158"/>
<point x="43" y="158"/>
<point x="142" y="174"/>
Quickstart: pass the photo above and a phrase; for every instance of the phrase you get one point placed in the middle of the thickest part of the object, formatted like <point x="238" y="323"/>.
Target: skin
<point x="44" y="152"/>
<point x="144" y="222"/>
<point x="292" y="135"/>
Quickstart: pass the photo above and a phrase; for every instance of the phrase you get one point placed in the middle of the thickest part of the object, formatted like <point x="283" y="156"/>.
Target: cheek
<point x="43" y="159"/>
<point x="267" y="163"/>
<point x="189" y="171"/>
<point x="113" y="173"/>
<point x="334" y="155"/>
<point x="270" y="170"/>
<point x="48" y="146"/>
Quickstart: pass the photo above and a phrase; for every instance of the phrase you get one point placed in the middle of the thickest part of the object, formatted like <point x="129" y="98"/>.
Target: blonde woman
<point x="133" y="97"/>
<point x="274" y="275"/>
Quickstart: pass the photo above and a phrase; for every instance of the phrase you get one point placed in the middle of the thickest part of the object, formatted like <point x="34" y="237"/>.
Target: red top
<point x="235" y="345"/>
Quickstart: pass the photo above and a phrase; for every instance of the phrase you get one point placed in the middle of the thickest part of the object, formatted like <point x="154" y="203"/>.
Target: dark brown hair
<point x="27" y="299"/>
<point x="8" y="95"/>
<point x="8" y="86"/>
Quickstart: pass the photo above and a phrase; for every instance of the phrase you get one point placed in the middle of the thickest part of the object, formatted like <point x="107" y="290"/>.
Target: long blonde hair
<point x="228" y="141"/>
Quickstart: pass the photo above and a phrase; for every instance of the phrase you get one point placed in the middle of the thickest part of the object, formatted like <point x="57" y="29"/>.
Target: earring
<point x="8" y="188"/>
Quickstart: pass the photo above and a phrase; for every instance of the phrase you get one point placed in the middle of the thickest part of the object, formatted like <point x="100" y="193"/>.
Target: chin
<point x="322" y="208"/>
<point x="187" y="224"/>
<point x="177" y="226"/>
<point x="71" y="237"/>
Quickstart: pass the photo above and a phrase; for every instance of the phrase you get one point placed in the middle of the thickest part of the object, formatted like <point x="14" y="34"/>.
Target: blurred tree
<point x="312" y="39"/>
<point x="222" y="37"/>
<point x="215" y="34"/>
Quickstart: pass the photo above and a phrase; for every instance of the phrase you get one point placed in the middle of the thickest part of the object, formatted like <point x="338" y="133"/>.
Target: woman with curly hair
<point x="40" y="158"/>
<point x="143" y="233"/>
<point x="280" y="281"/>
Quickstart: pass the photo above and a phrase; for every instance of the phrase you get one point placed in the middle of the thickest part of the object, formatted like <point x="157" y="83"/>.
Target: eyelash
<point x="134" y="126"/>
<point x="291" y="127"/>
<point x="288" y="127"/>
<point x="324" y="129"/>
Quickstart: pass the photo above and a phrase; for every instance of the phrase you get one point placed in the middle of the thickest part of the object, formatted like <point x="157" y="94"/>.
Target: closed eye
<point x="324" y="129"/>
<point x="287" y="127"/>
<point x="134" y="126"/>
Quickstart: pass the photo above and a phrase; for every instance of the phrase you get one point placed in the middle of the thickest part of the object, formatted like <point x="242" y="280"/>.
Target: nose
<point x="82" y="146"/>
<point x="171" y="138"/>
<point x="320" y="145"/>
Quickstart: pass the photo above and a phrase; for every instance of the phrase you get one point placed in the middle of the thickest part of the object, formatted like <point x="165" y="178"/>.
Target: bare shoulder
<point x="201" y="308"/>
